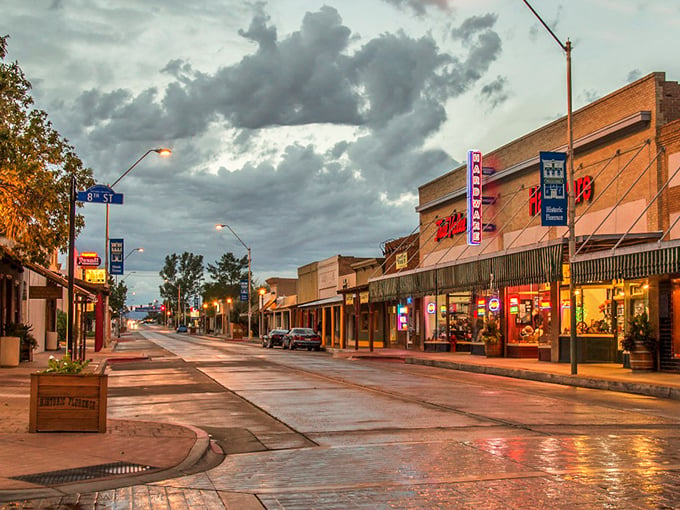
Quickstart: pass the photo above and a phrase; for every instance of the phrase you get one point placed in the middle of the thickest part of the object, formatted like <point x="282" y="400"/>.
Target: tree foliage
<point x="183" y="277"/>
<point x="36" y="166"/>
<point x="117" y="297"/>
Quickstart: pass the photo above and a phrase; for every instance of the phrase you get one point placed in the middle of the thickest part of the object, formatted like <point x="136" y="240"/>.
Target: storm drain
<point x="84" y="473"/>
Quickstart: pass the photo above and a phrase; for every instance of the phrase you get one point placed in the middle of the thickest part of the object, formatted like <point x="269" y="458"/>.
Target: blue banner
<point x="116" y="256"/>
<point x="553" y="189"/>
<point x="244" y="289"/>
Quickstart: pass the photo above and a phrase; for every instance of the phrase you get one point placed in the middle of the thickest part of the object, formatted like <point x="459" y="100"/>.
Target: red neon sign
<point x="584" y="187"/>
<point x="451" y="226"/>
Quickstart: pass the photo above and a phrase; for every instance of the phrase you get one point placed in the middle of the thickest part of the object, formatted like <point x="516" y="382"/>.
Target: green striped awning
<point x="534" y="265"/>
<point x="628" y="263"/>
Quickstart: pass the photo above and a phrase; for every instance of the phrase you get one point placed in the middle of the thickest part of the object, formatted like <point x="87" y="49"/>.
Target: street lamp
<point x="571" y="218"/>
<point x="220" y="227"/>
<point x="162" y="152"/>
<point x="229" y="317"/>
<point x="140" y="250"/>
<point x="261" y="292"/>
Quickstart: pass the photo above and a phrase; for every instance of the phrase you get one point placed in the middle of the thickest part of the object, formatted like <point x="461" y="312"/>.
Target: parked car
<point x="275" y="337"/>
<point x="182" y="328"/>
<point x="302" y="337"/>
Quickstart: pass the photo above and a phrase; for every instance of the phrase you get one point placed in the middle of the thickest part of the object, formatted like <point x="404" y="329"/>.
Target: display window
<point x="604" y="309"/>
<point x="528" y="313"/>
<point x="452" y="311"/>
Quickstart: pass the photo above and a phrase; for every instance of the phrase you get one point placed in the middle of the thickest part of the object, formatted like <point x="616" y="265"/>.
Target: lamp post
<point x="162" y="152"/>
<point x="140" y="250"/>
<point x="260" y="330"/>
<point x="229" y="317"/>
<point x="220" y="227"/>
<point x="571" y="217"/>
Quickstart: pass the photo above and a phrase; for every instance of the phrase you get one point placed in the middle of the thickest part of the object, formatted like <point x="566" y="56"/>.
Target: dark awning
<point x="640" y="261"/>
<point x="535" y="264"/>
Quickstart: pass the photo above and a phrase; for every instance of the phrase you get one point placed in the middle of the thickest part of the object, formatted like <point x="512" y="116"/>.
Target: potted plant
<point x="641" y="343"/>
<point x="68" y="397"/>
<point x="491" y="335"/>
<point x="27" y="342"/>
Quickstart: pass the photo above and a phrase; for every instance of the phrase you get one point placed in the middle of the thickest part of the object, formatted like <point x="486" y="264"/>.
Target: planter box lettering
<point x="68" y="403"/>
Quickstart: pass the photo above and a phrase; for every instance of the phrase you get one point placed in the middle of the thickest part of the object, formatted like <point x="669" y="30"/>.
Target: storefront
<point x="502" y="258"/>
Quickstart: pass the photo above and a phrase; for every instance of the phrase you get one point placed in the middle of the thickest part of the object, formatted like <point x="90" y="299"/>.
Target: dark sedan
<point x="275" y="337"/>
<point x="302" y="337"/>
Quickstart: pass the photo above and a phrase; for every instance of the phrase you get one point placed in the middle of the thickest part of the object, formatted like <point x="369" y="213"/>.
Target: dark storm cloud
<point x="388" y="94"/>
<point x="419" y="6"/>
<point x="495" y="93"/>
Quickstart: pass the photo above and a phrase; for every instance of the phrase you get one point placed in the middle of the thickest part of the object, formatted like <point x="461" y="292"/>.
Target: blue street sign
<point x="116" y="257"/>
<point x="553" y="189"/>
<point x="100" y="193"/>
<point x="244" y="289"/>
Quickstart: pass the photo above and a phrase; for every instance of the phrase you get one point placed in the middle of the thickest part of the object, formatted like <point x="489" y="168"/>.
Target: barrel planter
<point x="68" y="403"/>
<point x="493" y="350"/>
<point x="642" y="359"/>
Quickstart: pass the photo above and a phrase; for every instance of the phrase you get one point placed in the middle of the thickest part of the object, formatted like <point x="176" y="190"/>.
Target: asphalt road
<point x="304" y="430"/>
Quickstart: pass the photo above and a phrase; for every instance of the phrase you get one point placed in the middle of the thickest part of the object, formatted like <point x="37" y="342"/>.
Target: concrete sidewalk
<point x="604" y="376"/>
<point x="46" y="465"/>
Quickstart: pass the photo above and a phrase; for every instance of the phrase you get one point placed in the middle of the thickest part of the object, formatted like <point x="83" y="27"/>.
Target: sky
<point x="306" y="126"/>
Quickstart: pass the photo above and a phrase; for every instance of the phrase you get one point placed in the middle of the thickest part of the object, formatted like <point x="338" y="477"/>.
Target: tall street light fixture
<point x="140" y="250"/>
<point x="162" y="152"/>
<point x="260" y="329"/>
<point x="220" y="227"/>
<point x="571" y="218"/>
<point x="228" y="317"/>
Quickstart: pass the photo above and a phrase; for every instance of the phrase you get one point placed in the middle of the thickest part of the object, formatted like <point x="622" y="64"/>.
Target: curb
<point x="200" y="448"/>
<point x="637" y="388"/>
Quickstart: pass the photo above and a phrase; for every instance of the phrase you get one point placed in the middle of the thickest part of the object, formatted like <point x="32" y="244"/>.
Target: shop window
<point x="529" y="313"/>
<point x="364" y="321"/>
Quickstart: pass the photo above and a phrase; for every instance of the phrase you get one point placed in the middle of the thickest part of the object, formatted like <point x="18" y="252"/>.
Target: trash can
<point x="51" y="341"/>
<point x="9" y="351"/>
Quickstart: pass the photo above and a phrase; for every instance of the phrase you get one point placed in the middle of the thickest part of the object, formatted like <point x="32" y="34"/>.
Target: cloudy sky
<point x="307" y="126"/>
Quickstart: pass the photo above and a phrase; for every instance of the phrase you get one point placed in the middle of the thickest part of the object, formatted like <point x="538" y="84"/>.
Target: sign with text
<point x="89" y="259"/>
<point x="244" y="289"/>
<point x="116" y="257"/>
<point x="99" y="193"/>
<point x="553" y="189"/>
<point x="474" y="197"/>
<point x="95" y="276"/>
<point x="401" y="260"/>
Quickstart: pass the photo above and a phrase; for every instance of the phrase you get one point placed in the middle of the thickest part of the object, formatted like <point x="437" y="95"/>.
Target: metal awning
<point x="532" y="264"/>
<point x="638" y="261"/>
<point x="322" y="302"/>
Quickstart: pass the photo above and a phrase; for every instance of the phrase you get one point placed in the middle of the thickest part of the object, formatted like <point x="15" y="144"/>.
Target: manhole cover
<point x="83" y="473"/>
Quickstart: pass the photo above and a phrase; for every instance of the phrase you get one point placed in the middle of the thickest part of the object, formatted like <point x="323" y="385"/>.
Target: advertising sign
<point x="402" y="318"/>
<point x="553" y="189"/>
<point x="116" y="257"/>
<point x="244" y="289"/>
<point x="401" y="260"/>
<point x="95" y="276"/>
<point x="474" y="197"/>
<point x="89" y="259"/>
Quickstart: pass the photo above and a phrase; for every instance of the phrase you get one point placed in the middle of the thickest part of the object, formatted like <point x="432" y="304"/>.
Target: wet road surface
<point x="304" y="430"/>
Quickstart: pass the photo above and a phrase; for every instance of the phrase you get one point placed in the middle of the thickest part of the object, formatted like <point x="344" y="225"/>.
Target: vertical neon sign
<point x="474" y="197"/>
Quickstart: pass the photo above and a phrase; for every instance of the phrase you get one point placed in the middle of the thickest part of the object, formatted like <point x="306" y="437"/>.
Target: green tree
<point x="36" y="166"/>
<point x="183" y="278"/>
<point x="117" y="297"/>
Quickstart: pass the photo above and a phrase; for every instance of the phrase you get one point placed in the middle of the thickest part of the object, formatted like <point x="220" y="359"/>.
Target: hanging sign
<point x="116" y="258"/>
<point x="553" y="189"/>
<point x="89" y="259"/>
<point x="474" y="197"/>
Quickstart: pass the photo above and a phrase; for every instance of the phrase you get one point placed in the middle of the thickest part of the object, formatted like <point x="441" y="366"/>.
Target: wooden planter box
<point x="68" y="403"/>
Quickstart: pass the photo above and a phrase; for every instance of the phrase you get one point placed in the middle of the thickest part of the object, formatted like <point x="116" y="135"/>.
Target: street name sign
<point x="101" y="194"/>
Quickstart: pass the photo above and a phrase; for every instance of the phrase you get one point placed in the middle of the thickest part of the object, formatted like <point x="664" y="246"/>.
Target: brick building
<point x="626" y="153"/>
